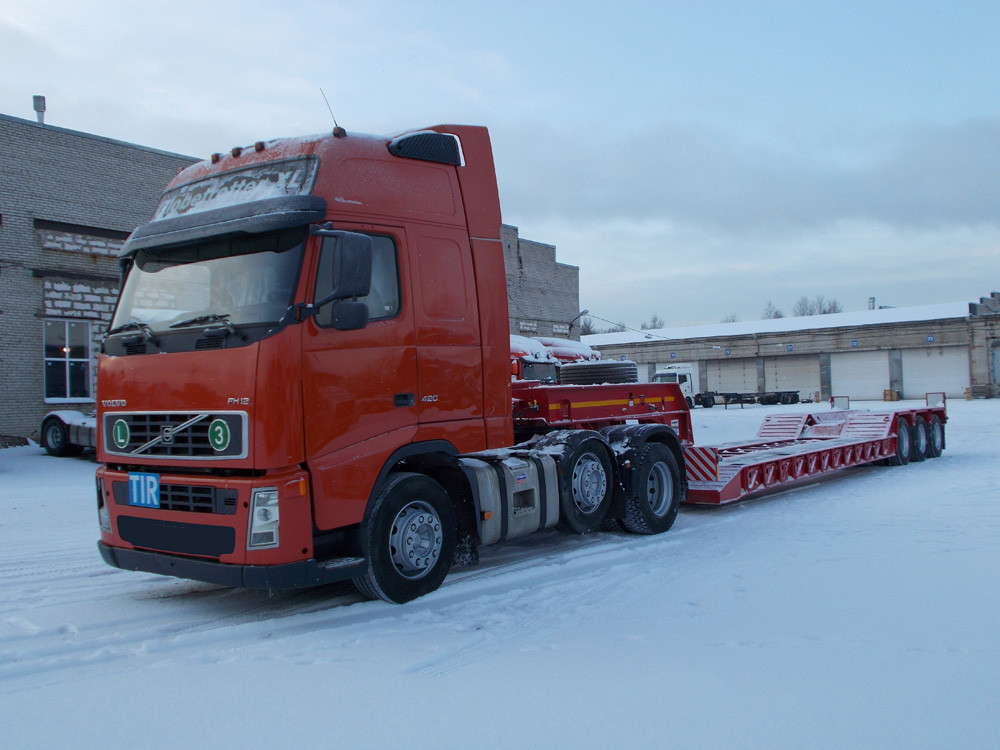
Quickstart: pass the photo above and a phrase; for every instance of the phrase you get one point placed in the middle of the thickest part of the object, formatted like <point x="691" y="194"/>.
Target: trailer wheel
<point x="586" y="486"/>
<point x="935" y="437"/>
<point x="708" y="402"/>
<point x="904" y="444"/>
<point x="654" y="495"/>
<point x="408" y="538"/>
<point x="55" y="438"/>
<point x="920" y="441"/>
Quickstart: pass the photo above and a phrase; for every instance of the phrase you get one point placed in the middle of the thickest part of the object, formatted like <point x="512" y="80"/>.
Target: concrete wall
<point x="67" y="202"/>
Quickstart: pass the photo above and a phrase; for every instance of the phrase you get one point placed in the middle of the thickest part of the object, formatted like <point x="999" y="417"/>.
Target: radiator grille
<point x="194" y="435"/>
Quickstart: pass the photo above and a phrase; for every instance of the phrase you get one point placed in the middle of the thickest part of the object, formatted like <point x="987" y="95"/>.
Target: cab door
<point x="359" y="386"/>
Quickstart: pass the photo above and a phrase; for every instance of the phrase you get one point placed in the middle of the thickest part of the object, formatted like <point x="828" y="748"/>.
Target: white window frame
<point x="89" y="398"/>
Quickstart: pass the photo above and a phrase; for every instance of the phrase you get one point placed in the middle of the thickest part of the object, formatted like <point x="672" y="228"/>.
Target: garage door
<point x="935" y="369"/>
<point x="793" y="373"/>
<point x="733" y="376"/>
<point x="863" y="376"/>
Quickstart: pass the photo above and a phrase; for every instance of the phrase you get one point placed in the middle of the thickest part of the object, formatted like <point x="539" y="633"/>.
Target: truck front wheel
<point x="408" y="537"/>
<point x="55" y="438"/>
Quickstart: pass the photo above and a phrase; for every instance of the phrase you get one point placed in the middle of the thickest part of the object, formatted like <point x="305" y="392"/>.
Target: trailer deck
<point x="793" y="448"/>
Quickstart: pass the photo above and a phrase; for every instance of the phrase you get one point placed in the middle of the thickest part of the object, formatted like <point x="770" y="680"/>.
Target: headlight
<point x="103" y="515"/>
<point x="263" y="531"/>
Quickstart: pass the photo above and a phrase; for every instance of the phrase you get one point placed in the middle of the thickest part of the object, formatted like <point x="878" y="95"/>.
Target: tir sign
<point x="144" y="490"/>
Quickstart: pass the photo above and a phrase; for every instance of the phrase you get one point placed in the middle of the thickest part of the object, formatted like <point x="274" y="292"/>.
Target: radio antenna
<point x="338" y="132"/>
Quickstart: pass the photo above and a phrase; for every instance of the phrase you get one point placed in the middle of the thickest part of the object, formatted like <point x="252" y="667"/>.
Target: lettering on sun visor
<point x="261" y="182"/>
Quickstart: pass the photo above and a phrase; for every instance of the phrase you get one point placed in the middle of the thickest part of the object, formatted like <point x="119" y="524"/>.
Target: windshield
<point x="244" y="280"/>
<point x="539" y="370"/>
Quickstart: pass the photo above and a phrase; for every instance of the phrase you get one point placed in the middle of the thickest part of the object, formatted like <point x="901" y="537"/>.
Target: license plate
<point x="144" y="490"/>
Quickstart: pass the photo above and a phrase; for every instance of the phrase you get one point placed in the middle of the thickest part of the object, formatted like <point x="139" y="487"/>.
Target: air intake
<point x="426" y="145"/>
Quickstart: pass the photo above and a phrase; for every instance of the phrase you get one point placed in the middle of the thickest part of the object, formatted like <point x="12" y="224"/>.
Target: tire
<point x="586" y="485"/>
<point x="401" y="565"/>
<point x="904" y="444"/>
<point x="55" y="438"/>
<point x="708" y="402"/>
<point x="920" y="440"/>
<point x="654" y="491"/>
<point x="935" y="437"/>
<point x="690" y="403"/>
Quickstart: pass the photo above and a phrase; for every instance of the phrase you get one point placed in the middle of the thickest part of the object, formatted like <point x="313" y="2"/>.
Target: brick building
<point x="68" y="200"/>
<point x="543" y="295"/>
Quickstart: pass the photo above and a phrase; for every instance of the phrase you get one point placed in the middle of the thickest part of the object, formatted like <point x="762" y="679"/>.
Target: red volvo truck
<point x="307" y="379"/>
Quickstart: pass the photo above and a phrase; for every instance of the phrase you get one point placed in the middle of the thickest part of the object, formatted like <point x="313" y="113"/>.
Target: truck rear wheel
<point x="919" y="452"/>
<point x="586" y="485"/>
<point x="904" y="444"/>
<point x="408" y="538"/>
<point x="935" y="437"/>
<point x="654" y="495"/>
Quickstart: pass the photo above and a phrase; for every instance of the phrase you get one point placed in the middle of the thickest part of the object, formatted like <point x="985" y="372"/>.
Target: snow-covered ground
<point x="863" y="611"/>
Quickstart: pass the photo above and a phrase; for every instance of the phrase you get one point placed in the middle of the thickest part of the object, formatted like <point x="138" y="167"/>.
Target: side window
<point x="383" y="300"/>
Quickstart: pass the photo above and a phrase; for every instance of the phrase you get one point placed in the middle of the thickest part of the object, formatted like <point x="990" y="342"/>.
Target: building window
<point x="67" y="360"/>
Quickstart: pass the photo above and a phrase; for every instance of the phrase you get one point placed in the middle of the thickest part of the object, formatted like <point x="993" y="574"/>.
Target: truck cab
<point x="307" y="376"/>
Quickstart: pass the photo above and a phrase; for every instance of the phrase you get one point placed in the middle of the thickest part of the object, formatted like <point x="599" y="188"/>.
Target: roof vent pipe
<point x="39" y="103"/>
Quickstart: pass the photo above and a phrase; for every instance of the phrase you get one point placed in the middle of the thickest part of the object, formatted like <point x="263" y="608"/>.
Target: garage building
<point x="951" y="348"/>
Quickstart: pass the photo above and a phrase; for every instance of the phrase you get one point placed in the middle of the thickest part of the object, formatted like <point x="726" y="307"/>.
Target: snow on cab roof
<point x="778" y="325"/>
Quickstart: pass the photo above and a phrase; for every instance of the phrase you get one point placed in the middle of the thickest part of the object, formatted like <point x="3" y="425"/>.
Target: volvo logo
<point x="113" y="403"/>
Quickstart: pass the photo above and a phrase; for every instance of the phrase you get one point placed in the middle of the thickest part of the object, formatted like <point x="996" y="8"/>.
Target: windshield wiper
<point x="222" y="319"/>
<point x="134" y="325"/>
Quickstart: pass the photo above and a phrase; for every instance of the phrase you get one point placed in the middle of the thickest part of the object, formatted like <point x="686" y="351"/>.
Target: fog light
<point x="263" y="532"/>
<point x="103" y="516"/>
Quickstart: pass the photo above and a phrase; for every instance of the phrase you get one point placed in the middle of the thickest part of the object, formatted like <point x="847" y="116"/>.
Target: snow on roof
<point x="778" y="325"/>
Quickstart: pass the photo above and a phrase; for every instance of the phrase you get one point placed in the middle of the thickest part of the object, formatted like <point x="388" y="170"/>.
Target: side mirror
<point x="349" y="270"/>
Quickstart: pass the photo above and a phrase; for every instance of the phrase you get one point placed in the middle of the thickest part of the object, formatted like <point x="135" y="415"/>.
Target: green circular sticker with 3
<point x="120" y="433"/>
<point x="218" y="435"/>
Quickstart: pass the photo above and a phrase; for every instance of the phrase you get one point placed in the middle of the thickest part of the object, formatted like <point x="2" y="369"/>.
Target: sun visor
<point x="242" y="218"/>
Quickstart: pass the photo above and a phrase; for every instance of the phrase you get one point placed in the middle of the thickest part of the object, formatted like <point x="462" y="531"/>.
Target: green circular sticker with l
<point x="120" y="433"/>
<point x="218" y="435"/>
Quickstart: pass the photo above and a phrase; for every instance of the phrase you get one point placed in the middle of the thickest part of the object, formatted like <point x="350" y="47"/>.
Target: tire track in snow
<point x="576" y="571"/>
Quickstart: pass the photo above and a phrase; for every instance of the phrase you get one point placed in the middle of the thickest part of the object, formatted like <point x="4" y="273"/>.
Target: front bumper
<point x="294" y="575"/>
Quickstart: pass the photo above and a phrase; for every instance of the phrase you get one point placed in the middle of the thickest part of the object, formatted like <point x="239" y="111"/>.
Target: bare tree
<point x="731" y="318"/>
<point x="587" y="326"/>
<point x="804" y="306"/>
<point x="771" y="312"/>
<point x="654" y="322"/>
<point x="820" y="305"/>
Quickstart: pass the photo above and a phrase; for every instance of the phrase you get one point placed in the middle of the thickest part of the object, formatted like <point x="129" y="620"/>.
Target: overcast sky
<point x="694" y="159"/>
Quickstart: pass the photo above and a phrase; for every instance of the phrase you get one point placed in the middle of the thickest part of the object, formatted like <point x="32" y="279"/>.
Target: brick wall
<point x="544" y="295"/>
